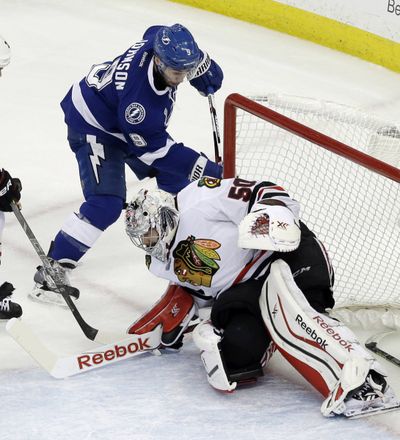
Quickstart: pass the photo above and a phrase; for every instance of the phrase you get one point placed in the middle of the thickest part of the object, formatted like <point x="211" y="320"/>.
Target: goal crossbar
<point x="235" y="101"/>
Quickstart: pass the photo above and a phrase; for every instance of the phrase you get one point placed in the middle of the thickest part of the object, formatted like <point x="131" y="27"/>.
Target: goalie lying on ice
<point x="239" y="247"/>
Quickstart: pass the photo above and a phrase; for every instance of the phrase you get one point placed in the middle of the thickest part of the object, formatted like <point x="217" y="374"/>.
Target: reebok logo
<point x="89" y="360"/>
<point x="311" y="332"/>
<point x="333" y="333"/>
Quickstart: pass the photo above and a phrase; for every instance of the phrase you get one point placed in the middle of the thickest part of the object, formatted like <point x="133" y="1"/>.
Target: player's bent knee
<point x="102" y="210"/>
<point x="245" y="341"/>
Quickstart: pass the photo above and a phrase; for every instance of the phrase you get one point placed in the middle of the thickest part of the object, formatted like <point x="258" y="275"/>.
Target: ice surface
<point x="54" y="43"/>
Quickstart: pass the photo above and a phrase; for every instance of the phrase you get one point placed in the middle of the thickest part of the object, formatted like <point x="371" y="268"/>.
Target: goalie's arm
<point x="271" y="225"/>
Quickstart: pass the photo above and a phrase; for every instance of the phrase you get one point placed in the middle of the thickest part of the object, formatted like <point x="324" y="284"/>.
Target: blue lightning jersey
<point x="119" y="103"/>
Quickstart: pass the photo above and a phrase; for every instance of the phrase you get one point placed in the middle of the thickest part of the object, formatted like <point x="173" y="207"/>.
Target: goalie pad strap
<point x="174" y="311"/>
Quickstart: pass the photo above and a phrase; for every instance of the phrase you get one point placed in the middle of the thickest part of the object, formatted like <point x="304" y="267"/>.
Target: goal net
<point x="341" y="164"/>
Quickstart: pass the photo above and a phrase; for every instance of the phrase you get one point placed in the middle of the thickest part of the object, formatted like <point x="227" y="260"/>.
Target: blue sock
<point x="65" y="246"/>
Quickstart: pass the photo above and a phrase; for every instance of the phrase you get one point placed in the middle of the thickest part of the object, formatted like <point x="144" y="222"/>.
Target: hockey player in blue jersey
<point x="118" y="114"/>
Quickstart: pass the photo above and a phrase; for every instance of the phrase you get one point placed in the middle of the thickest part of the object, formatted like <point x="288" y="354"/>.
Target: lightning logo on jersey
<point x="98" y="153"/>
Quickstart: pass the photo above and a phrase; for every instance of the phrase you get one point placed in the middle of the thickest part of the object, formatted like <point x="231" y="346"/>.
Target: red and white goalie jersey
<point x="204" y="255"/>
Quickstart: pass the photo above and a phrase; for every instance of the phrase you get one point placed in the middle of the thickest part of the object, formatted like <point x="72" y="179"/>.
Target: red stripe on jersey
<point x="268" y="188"/>
<point x="279" y="188"/>
<point x="246" y="268"/>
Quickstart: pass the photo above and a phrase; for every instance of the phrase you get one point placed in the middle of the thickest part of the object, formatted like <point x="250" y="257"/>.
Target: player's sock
<point x="66" y="247"/>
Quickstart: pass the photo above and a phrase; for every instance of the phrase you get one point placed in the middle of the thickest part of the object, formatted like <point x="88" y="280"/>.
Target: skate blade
<point x="372" y="411"/>
<point x="48" y="297"/>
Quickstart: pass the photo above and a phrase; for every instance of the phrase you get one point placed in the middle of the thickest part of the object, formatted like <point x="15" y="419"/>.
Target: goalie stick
<point x="372" y="344"/>
<point x="64" y="366"/>
<point x="91" y="333"/>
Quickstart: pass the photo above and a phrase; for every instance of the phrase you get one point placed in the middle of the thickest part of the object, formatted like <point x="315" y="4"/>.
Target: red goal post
<point x="350" y="198"/>
<point x="236" y="101"/>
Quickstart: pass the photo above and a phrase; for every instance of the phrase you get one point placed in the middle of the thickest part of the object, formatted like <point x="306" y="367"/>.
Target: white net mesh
<point x="354" y="211"/>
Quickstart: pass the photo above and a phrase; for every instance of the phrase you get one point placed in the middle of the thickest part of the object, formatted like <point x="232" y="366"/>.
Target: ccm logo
<point x="119" y="351"/>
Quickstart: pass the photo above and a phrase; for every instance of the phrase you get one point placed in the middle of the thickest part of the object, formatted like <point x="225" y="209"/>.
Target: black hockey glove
<point x="10" y="190"/>
<point x="6" y="289"/>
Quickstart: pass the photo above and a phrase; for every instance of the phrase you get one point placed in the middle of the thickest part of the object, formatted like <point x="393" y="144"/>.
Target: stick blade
<point x="24" y="336"/>
<point x="65" y="366"/>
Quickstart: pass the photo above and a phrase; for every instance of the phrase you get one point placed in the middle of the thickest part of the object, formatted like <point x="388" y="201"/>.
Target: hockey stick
<point x="65" y="366"/>
<point x="215" y="127"/>
<point x="372" y="344"/>
<point x="90" y="332"/>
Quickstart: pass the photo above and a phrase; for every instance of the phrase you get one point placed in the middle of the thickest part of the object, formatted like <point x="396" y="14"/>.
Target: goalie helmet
<point x="176" y="48"/>
<point x="151" y="220"/>
<point x="5" y="53"/>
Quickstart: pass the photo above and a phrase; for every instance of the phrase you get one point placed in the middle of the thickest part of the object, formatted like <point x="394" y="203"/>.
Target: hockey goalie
<point x="239" y="247"/>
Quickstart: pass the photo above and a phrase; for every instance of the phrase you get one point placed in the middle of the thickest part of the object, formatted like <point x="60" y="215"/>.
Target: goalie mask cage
<point x="348" y="196"/>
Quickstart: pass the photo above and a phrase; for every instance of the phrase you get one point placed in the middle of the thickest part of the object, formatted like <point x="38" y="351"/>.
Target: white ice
<point x="148" y="397"/>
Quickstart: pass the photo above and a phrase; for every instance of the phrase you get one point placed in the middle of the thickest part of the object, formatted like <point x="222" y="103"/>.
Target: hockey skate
<point x="373" y="397"/>
<point x="8" y="308"/>
<point x="45" y="289"/>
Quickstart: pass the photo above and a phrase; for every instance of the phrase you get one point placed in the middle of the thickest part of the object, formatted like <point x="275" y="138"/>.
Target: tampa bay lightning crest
<point x="135" y="113"/>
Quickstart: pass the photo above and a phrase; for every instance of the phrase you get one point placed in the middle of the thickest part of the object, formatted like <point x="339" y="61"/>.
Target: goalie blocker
<point x="324" y="351"/>
<point x="173" y="311"/>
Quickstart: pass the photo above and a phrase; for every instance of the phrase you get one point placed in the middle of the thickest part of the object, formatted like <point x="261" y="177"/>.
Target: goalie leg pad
<point x="322" y="349"/>
<point x="174" y="311"/>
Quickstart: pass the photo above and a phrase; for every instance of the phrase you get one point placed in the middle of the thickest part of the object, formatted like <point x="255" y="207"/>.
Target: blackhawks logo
<point x="209" y="182"/>
<point x="195" y="261"/>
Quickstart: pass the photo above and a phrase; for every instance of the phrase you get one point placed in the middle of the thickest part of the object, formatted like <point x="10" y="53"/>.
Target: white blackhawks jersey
<point x="204" y="255"/>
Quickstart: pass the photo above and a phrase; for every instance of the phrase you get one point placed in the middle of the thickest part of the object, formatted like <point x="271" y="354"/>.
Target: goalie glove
<point x="272" y="228"/>
<point x="174" y="311"/>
